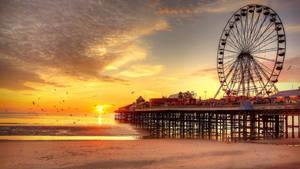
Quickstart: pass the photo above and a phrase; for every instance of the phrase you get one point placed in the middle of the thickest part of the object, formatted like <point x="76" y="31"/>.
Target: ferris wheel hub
<point x="245" y="55"/>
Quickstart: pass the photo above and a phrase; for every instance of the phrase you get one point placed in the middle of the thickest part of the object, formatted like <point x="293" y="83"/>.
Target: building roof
<point x="174" y="96"/>
<point x="140" y="99"/>
<point x="288" y="93"/>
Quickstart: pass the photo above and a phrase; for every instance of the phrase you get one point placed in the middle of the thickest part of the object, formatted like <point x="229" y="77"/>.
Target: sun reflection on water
<point x="100" y="120"/>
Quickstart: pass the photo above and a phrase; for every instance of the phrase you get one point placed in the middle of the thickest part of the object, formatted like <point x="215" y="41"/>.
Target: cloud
<point x="205" y="72"/>
<point x="130" y="53"/>
<point x="292" y="28"/>
<point x="151" y="92"/>
<point x="75" y="38"/>
<point x="187" y="8"/>
<point x="291" y="70"/>
<point x="142" y="71"/>
<point x="179" y="8"/>
<point x="13" y="77"/>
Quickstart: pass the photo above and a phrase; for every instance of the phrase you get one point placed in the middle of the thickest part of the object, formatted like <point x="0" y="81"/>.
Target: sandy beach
<point x="149" y="153"/>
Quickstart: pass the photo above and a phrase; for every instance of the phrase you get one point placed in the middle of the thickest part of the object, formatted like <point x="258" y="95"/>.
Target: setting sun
<point x="100" y="109"/>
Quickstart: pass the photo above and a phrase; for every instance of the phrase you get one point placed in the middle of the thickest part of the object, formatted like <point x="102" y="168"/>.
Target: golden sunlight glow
<point x="100" y="109"/>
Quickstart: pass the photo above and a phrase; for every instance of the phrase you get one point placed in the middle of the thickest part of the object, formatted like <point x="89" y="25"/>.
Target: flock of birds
<point x="59" y="107"/>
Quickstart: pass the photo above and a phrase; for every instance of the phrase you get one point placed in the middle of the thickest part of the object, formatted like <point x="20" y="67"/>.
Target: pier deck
<point x="231" y="123"/>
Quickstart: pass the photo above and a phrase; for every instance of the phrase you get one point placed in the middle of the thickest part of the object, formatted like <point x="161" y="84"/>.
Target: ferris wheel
<point x="251" y="52"/>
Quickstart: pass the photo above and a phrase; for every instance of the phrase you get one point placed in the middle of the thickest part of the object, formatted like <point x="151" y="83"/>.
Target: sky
<point x="76" y="55"/>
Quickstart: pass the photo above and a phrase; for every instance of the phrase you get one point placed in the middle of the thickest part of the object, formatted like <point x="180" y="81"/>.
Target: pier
<point x="251" y="107"/>
<point x="223" y="123"/>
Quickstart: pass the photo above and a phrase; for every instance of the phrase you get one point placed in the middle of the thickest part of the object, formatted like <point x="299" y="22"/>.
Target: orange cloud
<point x="142" y="71"/>
<point x="130" y="53"/>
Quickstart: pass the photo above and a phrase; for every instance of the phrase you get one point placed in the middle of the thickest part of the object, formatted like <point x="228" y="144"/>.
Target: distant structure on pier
<point x="288" y="93"/>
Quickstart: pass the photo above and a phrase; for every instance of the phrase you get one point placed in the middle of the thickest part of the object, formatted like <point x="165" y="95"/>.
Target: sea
<point x="33" y="126"/>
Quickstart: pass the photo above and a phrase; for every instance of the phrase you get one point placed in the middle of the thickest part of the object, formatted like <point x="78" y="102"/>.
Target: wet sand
<point x="150" y="153"/>
<point x="108" y="130"/>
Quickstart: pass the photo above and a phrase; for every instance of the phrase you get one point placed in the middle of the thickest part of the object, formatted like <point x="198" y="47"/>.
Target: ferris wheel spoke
<point x="263" y="32"/>
<point x="252" y="80"/>
<point x="239" y="86"/>
<point x="239" y="35"/>
<point x="267" y="59"/>
<point x="240" y="46"/>
<point x="260" y="79"/>
<point x="263" y="71"/>
<point x="258" y="47"/>
<point x="269" y="70"/>
<point x="230" y="70"/>
<point x="257" y="32"/>
<point x="237" y="40"/>
<point x="253" y="29"/>
<point x="265" y="40"/>
<point x="250" y="26"/>
<point x="228" y="66"/>
<point x="233" y="78"/>
<point x="228" y="74"/>
<point x="266" y="74"/>
<point x="246" y="29"/>
<point x="225" y="64"/>
<point x="228" y="62"/>
<point x="242" y="79"/>
<point x="232" y="44"/>
<point x="243" y="31"/>
<point x="230" y="57"/>
<point x="264" y="50"/>
<point x="231" y="51"/>
<point x="265" y="45"/>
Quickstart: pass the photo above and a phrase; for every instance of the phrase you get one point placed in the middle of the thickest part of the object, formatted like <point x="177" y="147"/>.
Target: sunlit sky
<point x="74" y="55"/>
